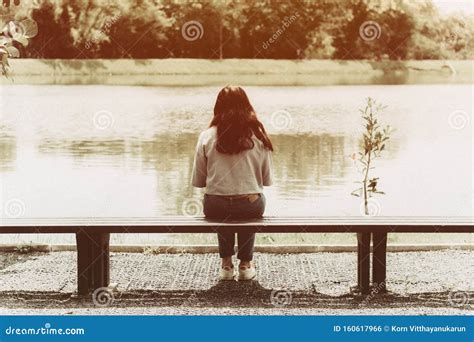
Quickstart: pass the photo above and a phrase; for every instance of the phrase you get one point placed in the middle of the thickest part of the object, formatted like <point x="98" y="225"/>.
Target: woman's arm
<point x="267" y="168"/>
<point x="200" y="165"/>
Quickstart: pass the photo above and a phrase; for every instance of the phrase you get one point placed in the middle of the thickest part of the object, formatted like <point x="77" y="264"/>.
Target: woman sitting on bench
<point x="233" y="162"/>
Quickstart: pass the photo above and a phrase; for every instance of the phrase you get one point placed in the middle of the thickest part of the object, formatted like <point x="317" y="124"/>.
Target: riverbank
<point x="179" y="72"/>
<point x="434" y="283"/>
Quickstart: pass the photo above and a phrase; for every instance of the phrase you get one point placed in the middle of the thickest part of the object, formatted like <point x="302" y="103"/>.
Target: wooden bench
<point x="92" y="237"/>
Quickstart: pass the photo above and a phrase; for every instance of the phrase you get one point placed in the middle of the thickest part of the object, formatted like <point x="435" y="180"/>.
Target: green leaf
<point x="30" y="28"/>
<point x="21" y="39"/>
<point x="357" y="192"/>
<point x="13" y="52"/>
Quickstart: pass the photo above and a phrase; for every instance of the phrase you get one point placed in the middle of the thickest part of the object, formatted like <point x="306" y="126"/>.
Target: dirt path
<point x="317" y="283"/>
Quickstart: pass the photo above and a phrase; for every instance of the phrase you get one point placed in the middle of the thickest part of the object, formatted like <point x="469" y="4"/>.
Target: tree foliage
<point x="14" y="35"/>
<point x="245" y="29"/>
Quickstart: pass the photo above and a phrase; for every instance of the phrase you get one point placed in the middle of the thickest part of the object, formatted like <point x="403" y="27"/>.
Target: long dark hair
<point x="237" y="122"/>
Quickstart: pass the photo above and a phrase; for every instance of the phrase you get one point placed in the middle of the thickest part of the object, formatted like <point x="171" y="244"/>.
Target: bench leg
<point x="379" y="261"/>
<point x="363" y="262"/>
<point x="92" y="261"/>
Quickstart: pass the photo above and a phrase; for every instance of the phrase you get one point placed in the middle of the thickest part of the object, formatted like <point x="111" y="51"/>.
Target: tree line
<point x="215" y="29"/>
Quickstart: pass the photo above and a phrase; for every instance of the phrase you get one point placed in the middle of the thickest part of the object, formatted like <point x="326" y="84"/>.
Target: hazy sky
<point x="449" y="6"/>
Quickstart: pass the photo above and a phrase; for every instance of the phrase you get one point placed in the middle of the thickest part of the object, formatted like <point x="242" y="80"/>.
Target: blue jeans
<point x="217" y="207"/>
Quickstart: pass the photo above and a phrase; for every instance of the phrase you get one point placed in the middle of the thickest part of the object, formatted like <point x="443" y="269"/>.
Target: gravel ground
<point x="429" y="283"/>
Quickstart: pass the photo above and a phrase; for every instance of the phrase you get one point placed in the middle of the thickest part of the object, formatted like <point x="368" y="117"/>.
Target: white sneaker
<point x="227" y="273"/>
<point x="247" y="273"/>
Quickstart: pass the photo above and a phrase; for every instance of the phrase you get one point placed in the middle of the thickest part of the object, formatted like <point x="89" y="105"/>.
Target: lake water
<point x="101" y="151"/>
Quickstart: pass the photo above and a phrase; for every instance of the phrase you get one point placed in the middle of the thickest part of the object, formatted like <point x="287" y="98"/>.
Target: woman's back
<point x="245" y="172"/>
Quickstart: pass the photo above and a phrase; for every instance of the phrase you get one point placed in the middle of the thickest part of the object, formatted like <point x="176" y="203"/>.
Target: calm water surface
<point x="69" y="151"/>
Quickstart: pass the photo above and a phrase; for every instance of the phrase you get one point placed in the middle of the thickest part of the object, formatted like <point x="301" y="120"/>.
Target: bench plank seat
<point x="180" y="224"/>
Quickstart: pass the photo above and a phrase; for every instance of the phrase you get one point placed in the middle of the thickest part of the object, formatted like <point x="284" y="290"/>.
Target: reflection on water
<point x="306" y="166"/>
<point x="57" y="159"/>
<point x="7" y="153"/>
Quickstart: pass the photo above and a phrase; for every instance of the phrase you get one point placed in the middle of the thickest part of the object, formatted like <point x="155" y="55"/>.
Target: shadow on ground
<point x="234" y="295"/>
